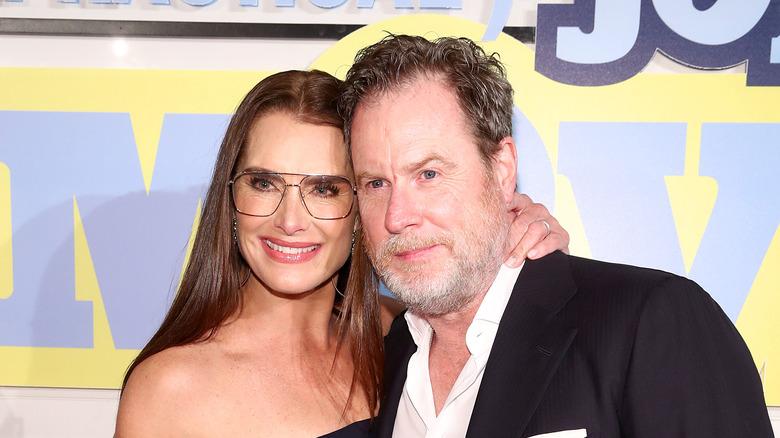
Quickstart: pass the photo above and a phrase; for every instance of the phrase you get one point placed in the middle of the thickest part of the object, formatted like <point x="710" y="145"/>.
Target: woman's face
<point x="290" y="251"/>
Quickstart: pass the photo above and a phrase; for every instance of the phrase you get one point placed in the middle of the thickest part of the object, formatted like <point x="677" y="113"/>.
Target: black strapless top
<point x="359" y="429"/>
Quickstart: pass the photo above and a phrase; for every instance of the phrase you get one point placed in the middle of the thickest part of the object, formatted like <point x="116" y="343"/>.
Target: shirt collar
<point x="482" y="331"/>
<point x="487" y="317"/>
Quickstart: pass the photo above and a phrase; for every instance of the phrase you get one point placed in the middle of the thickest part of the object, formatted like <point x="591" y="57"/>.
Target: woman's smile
<point x="290" y="252"/>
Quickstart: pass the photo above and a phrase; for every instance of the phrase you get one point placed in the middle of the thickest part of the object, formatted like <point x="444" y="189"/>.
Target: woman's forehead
<point x="280" y="143"/>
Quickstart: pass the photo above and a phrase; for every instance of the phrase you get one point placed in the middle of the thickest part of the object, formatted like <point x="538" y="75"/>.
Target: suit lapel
<point x="399" y="347"/>
<point x="528" y="348"/>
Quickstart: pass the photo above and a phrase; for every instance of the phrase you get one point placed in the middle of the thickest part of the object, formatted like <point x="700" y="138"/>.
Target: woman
<point x="260" y="341"/>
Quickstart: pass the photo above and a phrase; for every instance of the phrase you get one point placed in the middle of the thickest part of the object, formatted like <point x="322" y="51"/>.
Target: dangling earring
<point x="235" y="241"/>
<point x="333" y="282"/>
<point x="354" y="232"/>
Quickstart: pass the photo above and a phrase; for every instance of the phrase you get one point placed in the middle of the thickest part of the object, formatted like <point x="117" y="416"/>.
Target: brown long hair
<point x="210" y="288"/>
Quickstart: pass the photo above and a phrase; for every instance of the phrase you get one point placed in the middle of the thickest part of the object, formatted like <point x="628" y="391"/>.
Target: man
<point x="561" y="344"/>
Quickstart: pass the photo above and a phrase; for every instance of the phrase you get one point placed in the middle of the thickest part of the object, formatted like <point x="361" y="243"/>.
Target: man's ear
<point x="505" y="167"/>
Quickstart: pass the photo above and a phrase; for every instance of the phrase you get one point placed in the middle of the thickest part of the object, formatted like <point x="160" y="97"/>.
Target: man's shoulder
<point x="609" y="283"/>
<point x="582" y="266"/>
<point x="585" y="271"/>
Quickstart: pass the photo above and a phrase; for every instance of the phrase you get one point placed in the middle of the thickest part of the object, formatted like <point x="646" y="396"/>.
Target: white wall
<point x="56" y="412"/>
<point x="86" y="413"/>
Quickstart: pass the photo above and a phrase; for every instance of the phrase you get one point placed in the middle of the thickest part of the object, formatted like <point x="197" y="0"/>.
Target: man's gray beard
<point x="477" y="254"/>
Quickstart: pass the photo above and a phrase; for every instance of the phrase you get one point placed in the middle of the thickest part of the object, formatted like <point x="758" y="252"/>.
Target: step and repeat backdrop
<point x="102" y="170"/>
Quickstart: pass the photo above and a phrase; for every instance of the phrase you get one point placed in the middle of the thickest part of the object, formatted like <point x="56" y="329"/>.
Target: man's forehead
<point x="406" y="89"/>
<point x="426" y="101"/>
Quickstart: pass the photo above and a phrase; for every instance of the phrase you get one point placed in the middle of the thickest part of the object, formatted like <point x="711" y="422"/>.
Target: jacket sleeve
<point x="690" y="373"/>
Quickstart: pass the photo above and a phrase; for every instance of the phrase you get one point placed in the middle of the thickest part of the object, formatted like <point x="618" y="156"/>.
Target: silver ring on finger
<point x="547" y="226"/>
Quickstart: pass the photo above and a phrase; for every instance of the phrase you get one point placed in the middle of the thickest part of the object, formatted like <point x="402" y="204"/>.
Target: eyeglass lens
<point x="324" y="196"/>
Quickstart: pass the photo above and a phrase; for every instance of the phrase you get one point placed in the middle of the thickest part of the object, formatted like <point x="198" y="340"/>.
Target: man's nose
<point x="403" y="210"/>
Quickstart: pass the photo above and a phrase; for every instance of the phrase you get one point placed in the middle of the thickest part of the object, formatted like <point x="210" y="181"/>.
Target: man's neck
<point x="449" y="329"/>
<point x="449" y="353"/>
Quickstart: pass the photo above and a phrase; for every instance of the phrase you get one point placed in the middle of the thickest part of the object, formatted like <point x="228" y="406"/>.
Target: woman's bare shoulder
<point x="162" y="393"/>
<point x="389" y="309"/>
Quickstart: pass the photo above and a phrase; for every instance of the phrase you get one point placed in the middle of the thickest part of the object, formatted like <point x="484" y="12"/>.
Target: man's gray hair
<point x="477" y="79"/>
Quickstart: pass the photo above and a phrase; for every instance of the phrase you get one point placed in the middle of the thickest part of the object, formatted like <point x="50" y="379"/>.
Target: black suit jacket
<point x="618" y="350"/>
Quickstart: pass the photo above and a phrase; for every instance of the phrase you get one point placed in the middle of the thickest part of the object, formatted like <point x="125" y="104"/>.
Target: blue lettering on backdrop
<point x="498" y="19"/>
<point x="51" y="158"/>
<point x="743" y="158"/>
<point x="441" y="4"/>
<point x="602" y="42"/>
<point x="613" y="32"/>
<point x="722" y="22"/>
<point x="399" y="4"/>
<point x="110" y="2"/>
<point x="154" y="228"/>
<point x="775" y="57"/>
<point x="199" y="2"/>
<point x="409" y="4"/>
<point x="611" y="164"/>
<point x="133" y="236"/>
<point x="93" y="157"/>
<point x="327" y="4"/>
<point x="534" y="169"/>
<point x="324" y="4"/>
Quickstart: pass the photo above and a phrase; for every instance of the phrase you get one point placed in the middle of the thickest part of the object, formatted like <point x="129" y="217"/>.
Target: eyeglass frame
<point x="284" y="193"/>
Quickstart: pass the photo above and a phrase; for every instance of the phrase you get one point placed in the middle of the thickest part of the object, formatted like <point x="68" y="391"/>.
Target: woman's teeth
<point x="288" y="250"/>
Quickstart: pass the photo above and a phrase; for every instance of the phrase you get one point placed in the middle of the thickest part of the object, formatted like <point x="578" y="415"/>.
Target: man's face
<point x="435" y="220"/>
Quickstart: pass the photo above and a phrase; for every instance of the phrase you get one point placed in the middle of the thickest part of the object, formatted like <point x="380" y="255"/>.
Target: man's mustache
<point x="400" y="243"/>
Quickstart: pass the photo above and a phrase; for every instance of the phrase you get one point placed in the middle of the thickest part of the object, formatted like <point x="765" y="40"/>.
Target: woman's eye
<point x="327" y="190"/>
<point x="376" y="184"/>
<point x="267" y="185"/>
<point x="261" y="183"/>
<point x="429" y="174"/>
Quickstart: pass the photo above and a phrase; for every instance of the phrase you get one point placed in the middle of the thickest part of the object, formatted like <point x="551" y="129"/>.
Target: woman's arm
<point x="534" y="239"/>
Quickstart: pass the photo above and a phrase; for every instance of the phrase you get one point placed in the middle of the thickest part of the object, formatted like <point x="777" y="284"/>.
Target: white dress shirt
<point x="416" y="411"/>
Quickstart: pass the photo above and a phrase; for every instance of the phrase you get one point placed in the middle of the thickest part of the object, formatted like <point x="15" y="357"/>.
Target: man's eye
<point x="429" y="174"/>
<point x="375" y="184"/>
